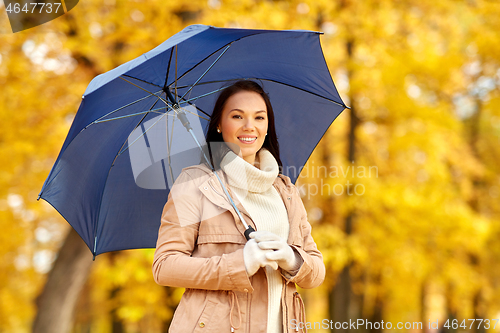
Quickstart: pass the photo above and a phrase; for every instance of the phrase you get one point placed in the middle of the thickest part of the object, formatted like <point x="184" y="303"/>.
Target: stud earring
<point x="265" y="135"/>
<point x="218" y="130"/>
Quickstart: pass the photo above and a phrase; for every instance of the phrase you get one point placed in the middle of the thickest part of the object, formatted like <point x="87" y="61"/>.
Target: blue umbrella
<point x="97" y="182"/>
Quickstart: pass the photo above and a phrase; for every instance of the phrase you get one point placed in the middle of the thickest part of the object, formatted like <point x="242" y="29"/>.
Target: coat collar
<point x="282" y="183"/>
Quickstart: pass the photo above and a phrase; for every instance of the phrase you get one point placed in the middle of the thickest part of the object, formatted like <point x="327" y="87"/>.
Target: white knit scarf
<point x="254" y="189"/>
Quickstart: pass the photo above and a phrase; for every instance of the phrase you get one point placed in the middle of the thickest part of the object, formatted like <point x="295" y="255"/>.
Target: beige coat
<point x="200" y="248"/>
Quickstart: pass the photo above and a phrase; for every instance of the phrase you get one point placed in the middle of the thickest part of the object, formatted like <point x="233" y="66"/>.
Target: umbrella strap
<point x="248" y="228"/>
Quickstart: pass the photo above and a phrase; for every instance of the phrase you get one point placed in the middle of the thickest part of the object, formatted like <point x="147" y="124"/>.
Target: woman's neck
<point x="256" y="162"/>
<point x="253" y="160"/>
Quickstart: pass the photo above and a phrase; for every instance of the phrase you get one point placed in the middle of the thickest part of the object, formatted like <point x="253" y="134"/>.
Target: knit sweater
<point x="254" y="188"/>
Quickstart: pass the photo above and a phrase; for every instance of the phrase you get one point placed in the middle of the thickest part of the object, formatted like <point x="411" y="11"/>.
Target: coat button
<point x="245" y="290"/>
<point x="205" y="188"/>
<point x="202" y="324"/>
<point x="289" y="198"/>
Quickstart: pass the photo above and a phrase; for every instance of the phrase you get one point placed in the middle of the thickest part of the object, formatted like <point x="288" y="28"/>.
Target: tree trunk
<point x="57" y="301"/>
<point x="116" y="323"/>
<point x="478" y="186"/>
<point x="423" y="308"/>
<point x="376" y="317"/>
<point x="339" y="300"/>
<point x="451" y="313"/>
<point x="479" y="327"/>
<point x="342" y="301"/>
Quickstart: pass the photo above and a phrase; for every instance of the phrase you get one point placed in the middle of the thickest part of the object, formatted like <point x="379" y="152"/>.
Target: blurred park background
<point x="403" y="191"/>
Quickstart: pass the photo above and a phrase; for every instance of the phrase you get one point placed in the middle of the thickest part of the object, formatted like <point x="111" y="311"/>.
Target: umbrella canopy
<point x="96" y="182"/>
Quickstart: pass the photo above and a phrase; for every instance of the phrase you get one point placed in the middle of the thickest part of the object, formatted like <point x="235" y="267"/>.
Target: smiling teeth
<point x="248" y="139"/>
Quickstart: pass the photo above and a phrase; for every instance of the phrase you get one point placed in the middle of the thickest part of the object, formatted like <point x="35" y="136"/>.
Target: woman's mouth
<point x="247" y="140"/>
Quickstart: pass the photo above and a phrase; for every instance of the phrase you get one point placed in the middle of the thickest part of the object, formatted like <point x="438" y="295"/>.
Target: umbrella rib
<point x="143" y="133"/>
<point x="207" y="82"/>
<point x="146" y="112"/>
<point x="194" y="114"/>
<point x="204" y="95"/>
<point x="209" y="116"/>
<point x="141" y="80"/>
<point x="121" y="108"/>
<point x="140" y="122"/>
<point x="289" y="85"/>
<point x="176" y="79"/>
<point x="164" y="101"/>
<point x="254" y="78"/>
<point x="168" y="66"/>
<point x="205" y="113"/>
<point x="286" y="84"/>
<point x="200" y="62"/>
<point x="206" y="71"/>
<point x="132" y="115"/>
<point x="193" y="67"/>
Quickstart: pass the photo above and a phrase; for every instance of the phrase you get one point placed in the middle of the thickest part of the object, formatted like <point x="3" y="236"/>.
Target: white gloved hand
<point x="255" y="258"/>
<point x="281" y="252"/>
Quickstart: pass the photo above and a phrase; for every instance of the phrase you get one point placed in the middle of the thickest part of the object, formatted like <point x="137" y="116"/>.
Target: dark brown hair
<point x="271" y="140"/>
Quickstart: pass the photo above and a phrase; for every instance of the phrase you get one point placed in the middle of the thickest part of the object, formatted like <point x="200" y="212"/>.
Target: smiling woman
<point x="244" y="123"/>
<point x="201" y="243"/>
<point x="243" y="111"/>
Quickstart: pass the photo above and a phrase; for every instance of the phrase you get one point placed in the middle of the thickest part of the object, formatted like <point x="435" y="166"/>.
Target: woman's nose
<point x="248" y="124"/>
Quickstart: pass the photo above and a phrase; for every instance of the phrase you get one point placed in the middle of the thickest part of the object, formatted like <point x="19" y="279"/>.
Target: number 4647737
<point x="32" y="7"/>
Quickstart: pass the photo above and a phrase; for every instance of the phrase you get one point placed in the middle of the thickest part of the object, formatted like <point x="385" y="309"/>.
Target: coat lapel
<point x="286" y="189"/>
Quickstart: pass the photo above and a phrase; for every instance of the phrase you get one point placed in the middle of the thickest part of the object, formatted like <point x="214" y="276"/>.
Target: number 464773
<point x="32" y="7"/>
<point x="465" y="323"/>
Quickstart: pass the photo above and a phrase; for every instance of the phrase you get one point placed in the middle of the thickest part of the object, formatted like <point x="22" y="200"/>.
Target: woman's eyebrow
<point x="244" y="111"/>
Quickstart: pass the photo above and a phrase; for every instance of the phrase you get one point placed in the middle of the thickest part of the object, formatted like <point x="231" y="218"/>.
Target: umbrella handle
<point x="248" y="232"/>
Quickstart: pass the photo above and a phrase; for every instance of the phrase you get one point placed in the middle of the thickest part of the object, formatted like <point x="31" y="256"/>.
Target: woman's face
<point x="244" y="123"/>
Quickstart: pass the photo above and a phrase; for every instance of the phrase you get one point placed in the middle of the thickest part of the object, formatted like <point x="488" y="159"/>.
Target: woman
<point x="235" y="285"/>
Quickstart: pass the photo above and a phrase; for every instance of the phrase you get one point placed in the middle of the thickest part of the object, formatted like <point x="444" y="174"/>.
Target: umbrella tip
<point x="347" y="107"/>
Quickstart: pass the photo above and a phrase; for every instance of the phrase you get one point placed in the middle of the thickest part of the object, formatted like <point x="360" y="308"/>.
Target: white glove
<point x="281" y="252"/>
<point x="255" y="258"/>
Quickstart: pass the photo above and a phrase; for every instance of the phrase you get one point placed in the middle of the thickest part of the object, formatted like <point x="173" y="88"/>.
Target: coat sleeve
<point x="173" y="264"/>
<point x="311" y="273"/>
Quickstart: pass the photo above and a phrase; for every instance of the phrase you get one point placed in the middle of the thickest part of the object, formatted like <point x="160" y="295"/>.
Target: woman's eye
<point x="260" y="118"/>
<point x="236" y="116"/>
